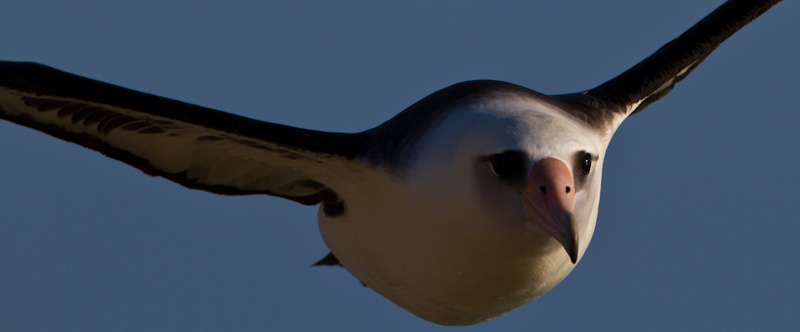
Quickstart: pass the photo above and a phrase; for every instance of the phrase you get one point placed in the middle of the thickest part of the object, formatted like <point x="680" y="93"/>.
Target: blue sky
<point x="698" y="218"/>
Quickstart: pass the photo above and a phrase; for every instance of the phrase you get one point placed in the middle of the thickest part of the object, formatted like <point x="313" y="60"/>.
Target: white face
<point x="458" y="167"/>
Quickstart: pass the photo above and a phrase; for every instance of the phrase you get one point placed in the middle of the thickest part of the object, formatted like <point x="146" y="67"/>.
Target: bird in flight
<point x="470" y="203"/>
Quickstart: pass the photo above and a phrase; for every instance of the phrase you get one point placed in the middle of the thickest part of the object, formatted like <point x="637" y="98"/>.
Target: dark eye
<point x="586" y="163"/>
<point x="509" y="164"/>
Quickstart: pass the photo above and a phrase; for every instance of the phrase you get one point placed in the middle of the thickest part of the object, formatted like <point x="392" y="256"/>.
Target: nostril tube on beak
<point x="568" y="189"/>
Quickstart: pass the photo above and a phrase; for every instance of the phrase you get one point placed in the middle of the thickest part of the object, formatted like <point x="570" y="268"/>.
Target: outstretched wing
<point x="651" y="79"/>
<point x="197" y="147"/>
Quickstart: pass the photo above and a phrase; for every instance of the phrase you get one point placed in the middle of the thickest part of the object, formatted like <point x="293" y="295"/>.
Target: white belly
<point x="445" y="267"/>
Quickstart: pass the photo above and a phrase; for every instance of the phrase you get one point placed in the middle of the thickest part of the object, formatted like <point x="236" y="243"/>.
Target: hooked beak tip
<point x="571" y="236"/>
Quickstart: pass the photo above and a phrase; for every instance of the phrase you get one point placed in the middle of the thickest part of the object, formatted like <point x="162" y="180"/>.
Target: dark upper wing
<point x="197" y="147"/>
<point x="654" y="77"/>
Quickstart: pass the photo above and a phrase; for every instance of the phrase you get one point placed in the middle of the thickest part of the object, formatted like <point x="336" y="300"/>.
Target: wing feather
<point x="194" y="146"/>
<point x="606" y="105"/>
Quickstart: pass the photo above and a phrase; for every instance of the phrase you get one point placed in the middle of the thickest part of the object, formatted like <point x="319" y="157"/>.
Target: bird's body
<point x="442" y="230"/>
<point x="470" y="203"/>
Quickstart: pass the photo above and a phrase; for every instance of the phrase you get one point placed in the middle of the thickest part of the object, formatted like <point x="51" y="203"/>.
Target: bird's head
<point x="520" y="169"/>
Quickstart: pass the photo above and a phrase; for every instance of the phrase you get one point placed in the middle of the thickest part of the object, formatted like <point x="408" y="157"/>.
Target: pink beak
<point x="550" y="201"/>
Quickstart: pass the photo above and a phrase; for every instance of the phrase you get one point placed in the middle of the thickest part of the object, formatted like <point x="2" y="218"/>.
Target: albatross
<point x="468" y="204"/>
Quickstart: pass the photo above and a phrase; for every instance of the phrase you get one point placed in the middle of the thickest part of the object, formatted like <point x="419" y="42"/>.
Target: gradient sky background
<point x="698" y="225"/>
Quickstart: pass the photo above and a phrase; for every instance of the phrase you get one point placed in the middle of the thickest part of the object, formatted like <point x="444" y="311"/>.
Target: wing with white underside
<point x="194" y="146"/>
